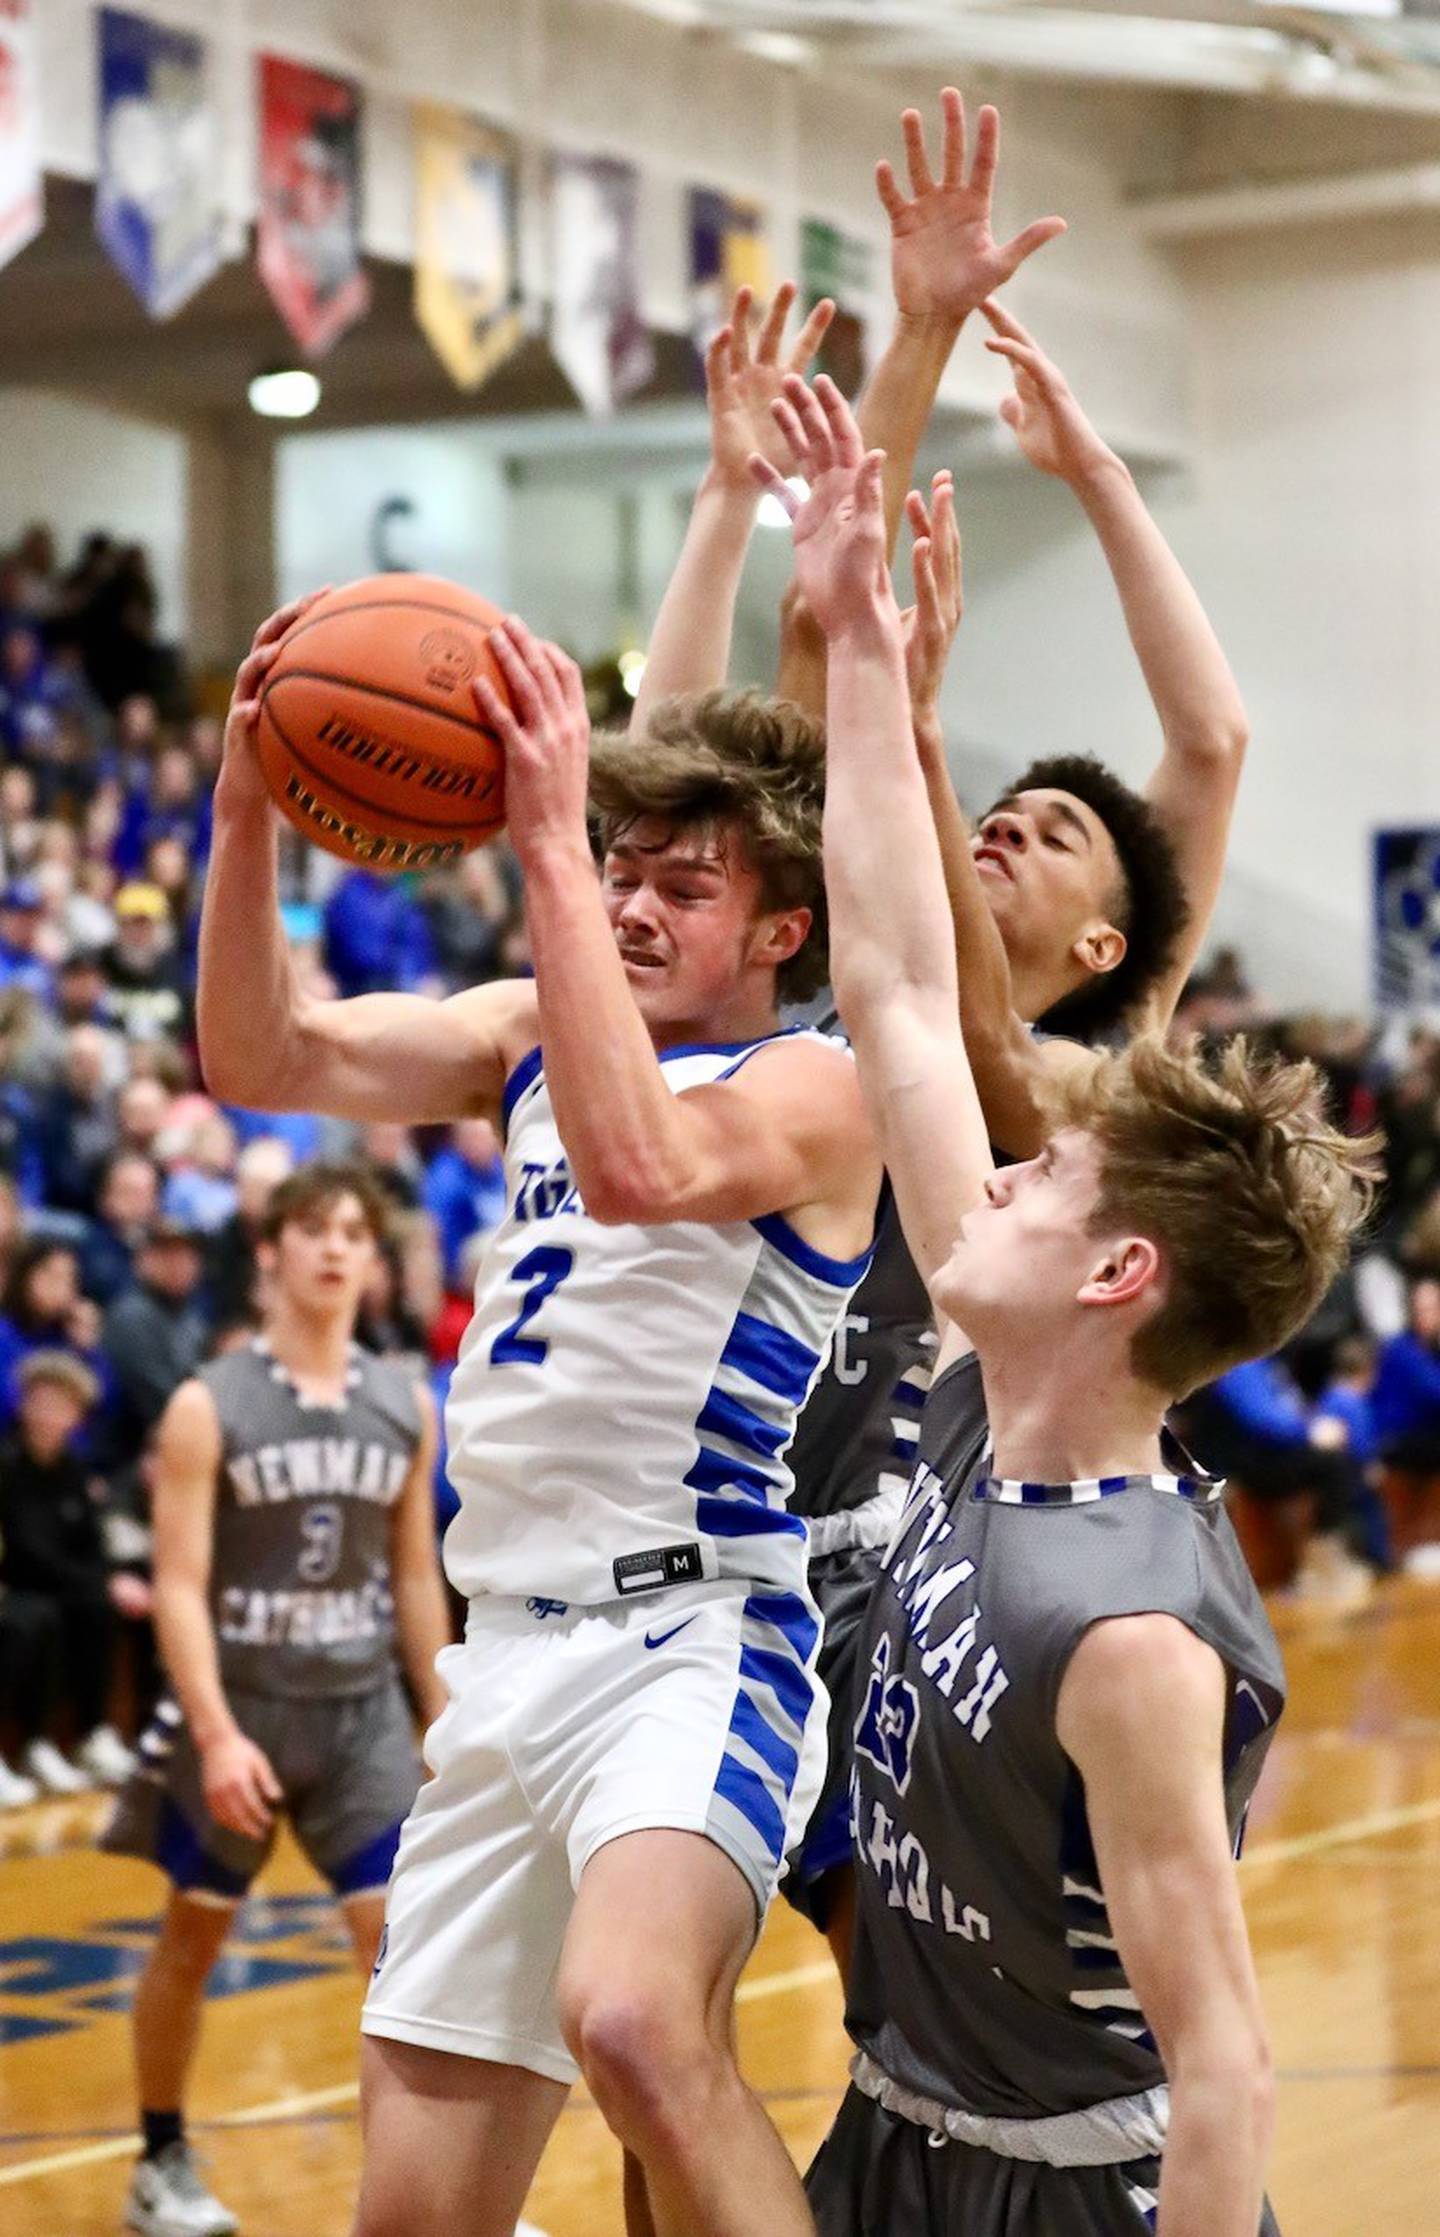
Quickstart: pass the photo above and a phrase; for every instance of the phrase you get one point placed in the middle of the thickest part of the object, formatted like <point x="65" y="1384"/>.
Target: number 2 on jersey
<point x="544" y="1270"/>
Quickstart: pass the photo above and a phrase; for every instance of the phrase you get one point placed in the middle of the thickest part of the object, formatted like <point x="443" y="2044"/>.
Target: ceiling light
<point x="772" y="513"/>
<point x="291" y="393"/>
<point x="632" y="668"/>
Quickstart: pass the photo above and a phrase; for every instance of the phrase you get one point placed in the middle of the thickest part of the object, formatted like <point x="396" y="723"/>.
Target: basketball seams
<point x="379" y="691"/>
<point x="388" y="606"/>
<point x="327" y="782"/>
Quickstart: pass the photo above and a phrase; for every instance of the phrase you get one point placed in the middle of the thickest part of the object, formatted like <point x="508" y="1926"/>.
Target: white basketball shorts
<point x="695" y="1710"/>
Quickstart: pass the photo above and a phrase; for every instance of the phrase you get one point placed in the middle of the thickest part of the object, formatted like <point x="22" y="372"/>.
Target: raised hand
<point x="544" y="725"/>
<point x="1047" y="422"/>
<point x="742" y="382"/>
<point x="944" y="258"/>
<point x="930" y="624"/>
<point x="244" y="707"/>
<point x="839" y="528"/>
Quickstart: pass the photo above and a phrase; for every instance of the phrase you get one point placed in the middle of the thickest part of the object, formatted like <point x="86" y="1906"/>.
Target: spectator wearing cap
<point x="127" y="1206"/>
<point x="80" y="1001"/>
<point x="22" y="905"/>
<point x="148" y="996"/>
<point x="78" y="1126"/>
<point x="58" y="1590"/>
<point x="154" y="1335"/>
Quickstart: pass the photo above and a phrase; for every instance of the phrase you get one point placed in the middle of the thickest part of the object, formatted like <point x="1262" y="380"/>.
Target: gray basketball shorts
<point x="842" y="1583"/>
<point x="348" y="1767"/>
<point x="877" y="2173"/>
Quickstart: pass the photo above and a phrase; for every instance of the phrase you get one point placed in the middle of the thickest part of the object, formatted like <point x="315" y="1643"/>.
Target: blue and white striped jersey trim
<point x="1200" y="1490"/>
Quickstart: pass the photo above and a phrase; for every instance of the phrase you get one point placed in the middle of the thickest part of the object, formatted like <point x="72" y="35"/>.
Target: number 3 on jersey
<point x="543" y="1270"/>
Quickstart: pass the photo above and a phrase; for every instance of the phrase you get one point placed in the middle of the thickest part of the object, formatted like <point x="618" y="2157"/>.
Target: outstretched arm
<point x="690" y="643"/>
<point x="891" y="949"/>
<point x="263" y="1041"/>
<point x="944" y="261"/>
<point x="1202" y="717"/>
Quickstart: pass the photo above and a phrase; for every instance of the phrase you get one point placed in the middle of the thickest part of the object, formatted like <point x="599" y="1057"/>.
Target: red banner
<point x="309" y="252"/>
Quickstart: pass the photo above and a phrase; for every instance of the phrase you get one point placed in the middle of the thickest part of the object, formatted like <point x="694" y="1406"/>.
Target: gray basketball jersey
<point x="859" y="1430"/>
<point x="300" y="1575"/>
<point x="986" y="1972"/>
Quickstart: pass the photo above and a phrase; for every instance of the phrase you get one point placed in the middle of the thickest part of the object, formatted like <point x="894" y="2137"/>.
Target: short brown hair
<point x="1234" y="1170"/>
<point x="314" y="1188"/>
<point x="731" y="757"/>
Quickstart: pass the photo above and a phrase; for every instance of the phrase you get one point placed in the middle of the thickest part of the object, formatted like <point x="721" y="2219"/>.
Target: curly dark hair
<point x="1150" y="907"/>
<point x="735" y="757"/>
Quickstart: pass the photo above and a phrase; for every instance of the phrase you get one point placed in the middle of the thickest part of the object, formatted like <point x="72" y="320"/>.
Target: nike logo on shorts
<point x="666" y="1636"/>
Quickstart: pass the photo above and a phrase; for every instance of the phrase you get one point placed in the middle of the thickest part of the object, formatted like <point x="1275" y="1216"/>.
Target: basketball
<point x="369" y="735"/>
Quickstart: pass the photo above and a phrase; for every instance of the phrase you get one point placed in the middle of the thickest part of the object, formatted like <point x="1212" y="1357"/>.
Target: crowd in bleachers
<point x="129" y="1200"/>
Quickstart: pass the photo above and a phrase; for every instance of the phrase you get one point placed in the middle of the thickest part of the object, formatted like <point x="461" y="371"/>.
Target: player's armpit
<point x="786" y="1132"/>
<point x="1014" y="1074"/>
<point x="1141" y="1714"/>
<point x="404" y="1058"/>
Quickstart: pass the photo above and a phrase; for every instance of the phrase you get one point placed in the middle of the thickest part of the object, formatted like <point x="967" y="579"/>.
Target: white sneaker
<point x="15" y="1792"/>
<point x="48" y="1767"/>
<point x="105" y="1756"/>
<point x="168" y="2199"/>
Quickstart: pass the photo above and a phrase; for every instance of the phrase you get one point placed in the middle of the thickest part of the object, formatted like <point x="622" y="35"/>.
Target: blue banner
<point x="155" y="206"/>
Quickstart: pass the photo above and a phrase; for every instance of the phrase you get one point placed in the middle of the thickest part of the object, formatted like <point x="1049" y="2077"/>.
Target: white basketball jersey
<point x="624" y="1396"/>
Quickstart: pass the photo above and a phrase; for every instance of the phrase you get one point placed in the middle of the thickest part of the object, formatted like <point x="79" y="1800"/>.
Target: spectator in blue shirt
<point x="376" y="936"/>
<point x="465" y="1189"/>
<point x="1406" y="1401"/>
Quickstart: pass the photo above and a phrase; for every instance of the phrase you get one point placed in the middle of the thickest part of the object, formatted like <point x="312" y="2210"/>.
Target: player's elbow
<point x="1216" y="739"/>
<point x="1234" y="2074"/>
<point x="633" y="1192"/>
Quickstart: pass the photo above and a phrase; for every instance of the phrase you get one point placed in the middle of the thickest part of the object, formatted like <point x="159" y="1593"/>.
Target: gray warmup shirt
<point x="300" y="1575"/>
<point x="986" y="1976"/>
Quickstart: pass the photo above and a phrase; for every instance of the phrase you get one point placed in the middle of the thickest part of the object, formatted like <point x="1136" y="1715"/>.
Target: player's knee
<point x="640" y="2053"/>
<point x="193" y="1936"/>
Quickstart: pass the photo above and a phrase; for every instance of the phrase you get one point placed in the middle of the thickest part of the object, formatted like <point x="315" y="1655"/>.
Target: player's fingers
<point x="270" y="1787"/>
<point x="844" y="432"/>
<point x="868" y="480"/>
<point x="1034" y="237"/>
<point x="922" y="179"/>
<point x="952" y="154"/>
<point x="740" y="328"/>
<point x="987" y="151"/>
<point x="572" y="684"/>
<point x="1004" y="321"/>
<point x="812" y="419"/>
<point x="772" y="326"/>
<point x="927" y="598"/>
<point x="1010" y="409"/>
<point x="917" y="515"/>
<point x="718" y="362"/>
<point x="887" y="186"/>
<point x="770" y="479"/>
<point x="787" y="419"/>
<point x="532" y="659"/>
<point x="273" y="628"/>
<point x="811" y="335"/>
<point x="495" y="712"/>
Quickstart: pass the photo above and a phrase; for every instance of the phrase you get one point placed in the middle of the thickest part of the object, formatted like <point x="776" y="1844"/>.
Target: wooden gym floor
<point x="1342" y="1885"/>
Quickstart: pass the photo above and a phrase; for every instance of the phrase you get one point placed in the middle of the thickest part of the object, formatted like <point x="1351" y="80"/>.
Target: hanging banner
<point x="839" y="265"/>
<point x="22" y="208"/>
<point x="728" y="249"/>
<point x="598" y="334"/>
<point x="309" y="253"/>
<point x="1407" y="919"/>
<point x="465" y="265"/>
<point x="155" y="198"/>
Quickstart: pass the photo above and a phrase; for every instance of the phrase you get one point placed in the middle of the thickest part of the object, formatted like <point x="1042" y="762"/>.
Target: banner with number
<point x="309" y="254"/>
<point x="1407" y="919"/>
<point x="465" y="266"/>
<point x="597" y="333"/>
<point x="155" y="208"/>
<point x="22" y="207"/>
<point x="839" y="265"/>
<point x="728" y="249"/>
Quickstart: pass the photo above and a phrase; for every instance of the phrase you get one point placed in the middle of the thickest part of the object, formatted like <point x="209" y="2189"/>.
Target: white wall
<point x="79" y="467"/>
<point x="330" y="490"/>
